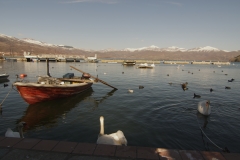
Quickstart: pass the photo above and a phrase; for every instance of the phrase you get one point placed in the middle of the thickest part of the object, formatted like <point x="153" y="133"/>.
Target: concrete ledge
<point x="27" y="148"/>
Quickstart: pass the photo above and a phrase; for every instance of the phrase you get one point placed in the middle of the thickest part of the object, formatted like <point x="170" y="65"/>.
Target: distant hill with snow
<point x="176" y="49"/>
<point x="14" y="46"/>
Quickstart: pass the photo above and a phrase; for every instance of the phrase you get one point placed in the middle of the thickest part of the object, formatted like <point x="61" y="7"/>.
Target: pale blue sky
<point x="119" y="24"/>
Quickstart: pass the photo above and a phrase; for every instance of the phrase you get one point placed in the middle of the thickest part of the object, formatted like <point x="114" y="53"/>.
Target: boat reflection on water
<point x="47" y="113"/>
<point x="4" y="80"/>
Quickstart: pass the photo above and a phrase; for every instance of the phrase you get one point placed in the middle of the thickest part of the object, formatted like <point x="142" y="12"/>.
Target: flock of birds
<point x="203" y="106"/>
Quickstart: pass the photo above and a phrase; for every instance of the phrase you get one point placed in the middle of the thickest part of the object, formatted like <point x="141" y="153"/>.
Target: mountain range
<point x="15" y="47"/>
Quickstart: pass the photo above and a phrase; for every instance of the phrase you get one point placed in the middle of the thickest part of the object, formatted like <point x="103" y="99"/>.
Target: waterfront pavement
<point x="37" y="149"/>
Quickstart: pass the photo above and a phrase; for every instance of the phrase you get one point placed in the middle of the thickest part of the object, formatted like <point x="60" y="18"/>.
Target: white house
<point x="92" y="58"/>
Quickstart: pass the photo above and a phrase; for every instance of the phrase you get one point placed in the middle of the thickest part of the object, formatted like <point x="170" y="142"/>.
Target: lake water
<point x="159" y="115"/>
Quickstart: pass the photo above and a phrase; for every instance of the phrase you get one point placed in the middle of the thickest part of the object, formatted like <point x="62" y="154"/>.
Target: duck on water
<point x="196" y="96"/>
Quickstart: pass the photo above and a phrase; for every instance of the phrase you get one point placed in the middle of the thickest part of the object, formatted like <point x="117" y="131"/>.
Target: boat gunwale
<point x="32" y="84"/>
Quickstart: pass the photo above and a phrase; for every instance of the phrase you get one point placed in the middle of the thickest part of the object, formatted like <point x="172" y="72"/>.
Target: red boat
<point x="49" y="88"/>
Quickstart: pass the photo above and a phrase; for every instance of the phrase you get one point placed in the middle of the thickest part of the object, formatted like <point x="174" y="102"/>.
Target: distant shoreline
<point x="120" y="61"/>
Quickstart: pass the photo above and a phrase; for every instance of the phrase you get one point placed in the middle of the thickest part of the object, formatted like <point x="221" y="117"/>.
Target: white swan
<point x="117" y="138"/>
<point x="10" y="133"/>
<point x="130" y="91"/>
<point x="204" y="107"/>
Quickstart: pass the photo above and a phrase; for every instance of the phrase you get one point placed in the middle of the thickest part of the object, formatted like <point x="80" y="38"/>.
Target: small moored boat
<point x="4" y="76"/>
<point x="145" y="65"/>
<point x="49" y="88"/>
<point x="129" y="62"/>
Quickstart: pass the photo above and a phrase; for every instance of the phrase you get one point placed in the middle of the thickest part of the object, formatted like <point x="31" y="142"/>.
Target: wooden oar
<point x="95" y="78"/>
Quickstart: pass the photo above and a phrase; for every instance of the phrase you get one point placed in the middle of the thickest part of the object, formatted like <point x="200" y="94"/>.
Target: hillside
<point x="15" y="47"/>
<point x="235" y="59"/>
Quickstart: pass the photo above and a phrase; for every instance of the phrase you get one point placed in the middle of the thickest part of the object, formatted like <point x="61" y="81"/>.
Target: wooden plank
<point x="95" y="78"/>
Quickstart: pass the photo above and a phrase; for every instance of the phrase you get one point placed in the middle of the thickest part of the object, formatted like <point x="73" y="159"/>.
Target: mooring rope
<point x="5" y="97"/>
<point x="224" y="150"/>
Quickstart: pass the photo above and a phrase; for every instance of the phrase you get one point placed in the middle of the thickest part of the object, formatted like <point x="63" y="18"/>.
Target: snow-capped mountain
<point x="156" y="48"/>
<point x="9" y="37"/>
<point x="37" y="42"/>
<point x="205" y="49"/>
<point x="175" y="49"/>
<point x="107" y="50"/>
<point x="150" y="48"/>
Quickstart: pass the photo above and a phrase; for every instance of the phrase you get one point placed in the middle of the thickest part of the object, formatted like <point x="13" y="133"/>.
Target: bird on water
<point x="116" y="138"/>
<point x="204" y="107"/>
<point x="19" y="134"/>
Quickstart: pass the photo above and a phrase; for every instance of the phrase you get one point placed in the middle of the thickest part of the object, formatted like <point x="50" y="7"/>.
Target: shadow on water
<point x="46" y="113"/>
<point x="100" y="100"/>
<point x="203" y="118"/>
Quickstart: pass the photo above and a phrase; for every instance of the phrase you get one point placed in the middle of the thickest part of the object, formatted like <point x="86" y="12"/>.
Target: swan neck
<point x="20" y="132"/>
<point x="207" y="107"/>
<point x="101" y="127"/>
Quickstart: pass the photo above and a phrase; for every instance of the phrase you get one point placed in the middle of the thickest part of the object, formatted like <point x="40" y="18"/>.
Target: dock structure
<point x="121" y="61"/>
<point x="32" y="148"/>
<point x="211" y="62"/>
<point x="176" y="62"/>
<point x="61" y="58"/>
<point x="43" y="57"/>
<point x="197" y="62"/>
<point x="78" y="58"/>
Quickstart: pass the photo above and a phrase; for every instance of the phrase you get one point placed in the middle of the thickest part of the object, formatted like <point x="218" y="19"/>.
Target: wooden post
<point x="48" y="67"/>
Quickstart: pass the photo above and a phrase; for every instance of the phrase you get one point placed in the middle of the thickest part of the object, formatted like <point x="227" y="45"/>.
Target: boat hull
<point x="33" y="93"/>
<point x="145" y="67"/>
<point x="129" y="63"/>
<point x="3" y="76"/>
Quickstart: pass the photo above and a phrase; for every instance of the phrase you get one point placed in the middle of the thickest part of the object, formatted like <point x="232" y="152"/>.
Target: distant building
<point x="92" y="58"/>
<point x="29" y="57"/>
